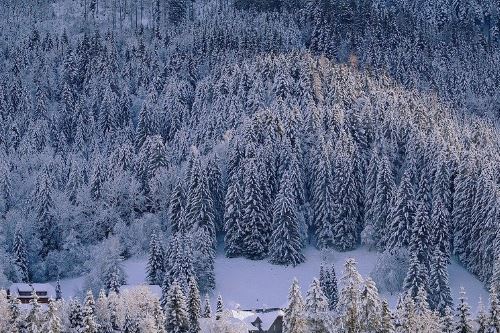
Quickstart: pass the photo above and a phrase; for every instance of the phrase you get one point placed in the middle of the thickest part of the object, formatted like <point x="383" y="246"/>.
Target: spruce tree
<point x="232" y="217"/>
<point x="386" y="324"/>
<point x="439" y="288"/>
<point x="130" y="325"/>
<point x="89" y="320"/>
<point x="75" y="316"/>
<point x="323" y="200"/>
<point x="255" y="225"/>
<point x="371" y="308"/>
<point x="207" y="310"/>
<point x="349" y="305"/>
<point x="383" y="196"/>
<point x="58" y="290"/>
<point x="155" y="266"/>
<point x="220" y="308"/>
<point x="463" y="321"/>
<point x="53" y="322"/>
<point x="176" y="313"/>
<point x="194" y="306"/>
<point x="494" y="313"/>
<point x="176" y="209"/>
<point x="294" y="320"/>
<point x="316" y="307"/>
<point x="482" y="318"/>
<point x="20" y="256"/>
<point x="402" y="214"/>
<point x="34" y="319"/>
<point x="286" y="242"/>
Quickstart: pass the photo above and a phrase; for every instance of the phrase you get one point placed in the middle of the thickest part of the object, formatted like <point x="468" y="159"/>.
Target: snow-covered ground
<point x="259" y="284"/>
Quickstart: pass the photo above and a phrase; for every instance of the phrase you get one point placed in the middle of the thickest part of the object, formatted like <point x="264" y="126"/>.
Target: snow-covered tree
<point x="463" y="322"/>
<point x="53" y="323"/>
<point x="286" y="242"/>
<point x="220" y="308"/>
<point x="155" y="261"/>
<point x="349" y="305"/>
<point x="294" y="320"/>
<point x="316" y="308"/>
<point x="176" y="312"/>
<point x="194" y="306"/>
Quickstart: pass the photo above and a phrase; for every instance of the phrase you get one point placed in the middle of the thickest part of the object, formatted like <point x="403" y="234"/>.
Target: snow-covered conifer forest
<point x="186" y="132"/>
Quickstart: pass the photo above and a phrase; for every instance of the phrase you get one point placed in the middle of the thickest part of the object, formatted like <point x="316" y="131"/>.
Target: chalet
<point x="24" y="292"/>
<point x="261" y="320"/>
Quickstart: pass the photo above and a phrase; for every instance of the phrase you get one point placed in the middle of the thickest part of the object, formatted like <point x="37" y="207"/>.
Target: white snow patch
<point x="247" y="284"/>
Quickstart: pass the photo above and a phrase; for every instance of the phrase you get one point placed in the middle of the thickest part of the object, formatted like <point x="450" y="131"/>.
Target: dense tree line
<point x="354" y="307"/>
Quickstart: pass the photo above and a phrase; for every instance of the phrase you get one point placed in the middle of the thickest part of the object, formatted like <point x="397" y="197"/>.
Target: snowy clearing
<point x="258" y="284"/>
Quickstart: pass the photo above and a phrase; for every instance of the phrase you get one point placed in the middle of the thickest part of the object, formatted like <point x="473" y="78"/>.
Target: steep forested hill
<point x="262" y="126"/>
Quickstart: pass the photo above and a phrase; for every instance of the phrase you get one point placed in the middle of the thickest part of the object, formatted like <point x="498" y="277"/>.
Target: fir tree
<point x="75" y="316"/>
<point x="255" y="226"/>
<point x="20" y="256"/>
<point x="439" y="289"/>
<point x="371" y="308"/>
<point x="176" y="313"/>
<point x="232" y="218"/>
<point x="294" y="320"/>
<point x="155" y="261"/>
<point x="34" y="319"/>
<point x="286" y="242"/>
<point x="194" y="306"/>
<point x="89" y="320"/>
<point x="463" y="322"/>
<point x="402" y="214"/>
<point x="130" y="325"/>
<point x="207" y="310"/>
<point x="53" y="322"/>
<point x="220" y="308"/>
<point x="176" y="209"/>
<point x="316" y="307"/>
<point x="383" y="196"/>
<point x="482" y="318"/>
<point x="349" y="305"/>
<point x="58" y="290"/>
<point x="386" y="324"/>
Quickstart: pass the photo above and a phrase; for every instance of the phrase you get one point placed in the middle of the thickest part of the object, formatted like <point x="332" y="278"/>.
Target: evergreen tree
<point x="176" y="209"/>
<point x="220" y="308"/>
<point x="294" y="318"/>
<point x="75" y="316"/>
<point x="494" y="313"/>
<point x="58" y="290"/>
<point x="207" y="310"/>
<point x="176" y="313"/>
<point x="316" y="307"/>
<point x="20" y="256"/>
<point x="386" y="324"/>
<point x="482" y="318"/>
<point x="255" y="226"/>
<point x="439" y="221"/>
<point x="383" y="196"/>
<point x="130" y="325"/>
<point x="439" y="289"/>
<point x="194" y="306"/>
<point x="286" y="242"/>
<point x="48" y="226"/>
<point x="53" y="322"/>
<point x="232" y="218"/>
<point x="463" y="322"/>
<point x="89" y="320"/>
<point x="349" y="305"/>
<point x="155" y="261"/>
<point x="371" y="308"/>
<point x="323" y="199"/>
<point x="34" y="319"/>
<point x="402" y="214"/>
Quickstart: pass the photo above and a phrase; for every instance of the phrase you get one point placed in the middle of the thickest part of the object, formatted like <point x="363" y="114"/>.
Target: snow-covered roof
<point x="154" y="289"/>
<point x="248" y="317"/>
<point x="17" y="288"/>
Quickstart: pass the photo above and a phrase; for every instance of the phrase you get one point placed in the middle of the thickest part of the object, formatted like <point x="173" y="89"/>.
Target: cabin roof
<point x="248" y="317"/>
<point x="17" y="288"/>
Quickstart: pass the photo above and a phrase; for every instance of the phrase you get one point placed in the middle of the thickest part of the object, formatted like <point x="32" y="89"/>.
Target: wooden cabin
<point x="24" y="292"/>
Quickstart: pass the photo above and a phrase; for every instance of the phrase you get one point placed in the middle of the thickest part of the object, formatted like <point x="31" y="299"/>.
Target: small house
<point x="24" y="292"/>
<point x="261" y="320"/>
